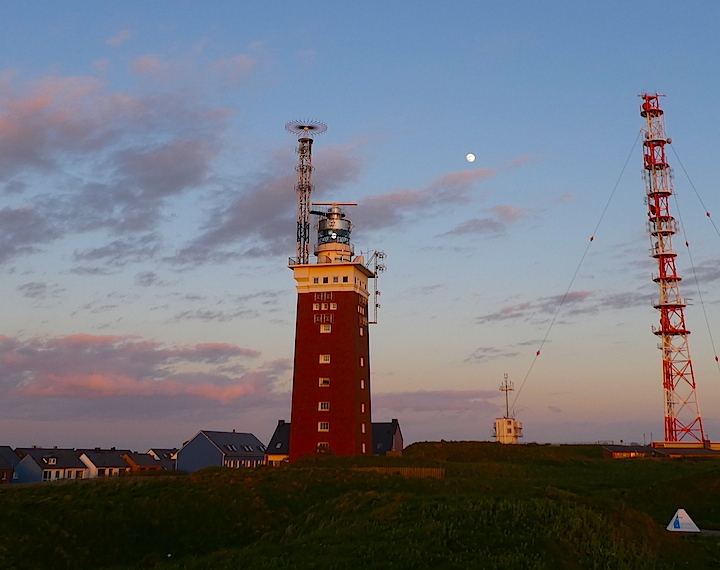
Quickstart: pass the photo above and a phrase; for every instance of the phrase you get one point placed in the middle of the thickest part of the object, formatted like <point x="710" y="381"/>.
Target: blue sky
<point x="147" y="210"/>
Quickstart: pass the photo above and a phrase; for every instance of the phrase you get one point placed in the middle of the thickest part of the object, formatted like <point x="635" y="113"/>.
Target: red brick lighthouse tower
<point x="331" y="377"/>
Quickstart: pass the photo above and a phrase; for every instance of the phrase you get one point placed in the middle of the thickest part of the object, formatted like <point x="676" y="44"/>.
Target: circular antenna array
<point x="306" y="128"/>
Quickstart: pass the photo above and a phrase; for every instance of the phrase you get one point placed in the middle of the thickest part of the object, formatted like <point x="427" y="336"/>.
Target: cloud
<point x="235" y="69"/>
<point x="148" y="64"/>
<point x="435" y="401"/>
<point x="107" y="366"/>
<point x="495" y="225"/>
<point x="576" y="303"/>
<point x="37" y="290"/>
<point x="261" y="218"/>
<point x="484" y="354"/>
<point x="119" y="38"/>
<point x="136" y="153"/>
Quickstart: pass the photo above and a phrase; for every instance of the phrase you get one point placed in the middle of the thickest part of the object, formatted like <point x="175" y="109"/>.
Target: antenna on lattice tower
<point x="306" y="130"/>
<point x="507" y="387"/>
<point x="682" y="410"/>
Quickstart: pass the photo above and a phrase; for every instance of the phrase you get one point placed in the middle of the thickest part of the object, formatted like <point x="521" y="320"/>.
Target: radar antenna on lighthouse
<point x="306" y="130"/>
<point x="682" y="410"/>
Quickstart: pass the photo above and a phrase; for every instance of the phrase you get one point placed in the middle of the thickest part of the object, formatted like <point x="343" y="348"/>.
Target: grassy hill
<point x="519" y="507"/>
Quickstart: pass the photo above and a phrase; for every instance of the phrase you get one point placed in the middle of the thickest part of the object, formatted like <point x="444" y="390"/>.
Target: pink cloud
<point x="119" y="38"/>
<point x="234" y="69"/>
<point x="147" y="64"/>
<point x="103" y="366"/>
<point x="510" y="213"/>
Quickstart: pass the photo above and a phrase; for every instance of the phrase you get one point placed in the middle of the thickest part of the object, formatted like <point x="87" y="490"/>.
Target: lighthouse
<point x="331" y="374"/>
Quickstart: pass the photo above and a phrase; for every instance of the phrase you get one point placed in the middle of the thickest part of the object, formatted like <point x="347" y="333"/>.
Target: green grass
<point x="519" y="507"/>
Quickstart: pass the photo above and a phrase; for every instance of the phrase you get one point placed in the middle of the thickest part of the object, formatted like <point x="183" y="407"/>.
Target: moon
<point x="470" y="157"/>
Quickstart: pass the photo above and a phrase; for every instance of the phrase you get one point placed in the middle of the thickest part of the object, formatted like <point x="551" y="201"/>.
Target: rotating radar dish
<point x="306" y="128"/>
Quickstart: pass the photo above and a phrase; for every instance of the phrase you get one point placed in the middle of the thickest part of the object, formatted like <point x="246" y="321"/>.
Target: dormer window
<point x="50" y="460"/>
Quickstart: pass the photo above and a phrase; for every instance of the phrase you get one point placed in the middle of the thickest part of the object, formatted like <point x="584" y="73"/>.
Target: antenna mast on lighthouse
<point x="306" y="130"/>
<point x="682" y="411"/>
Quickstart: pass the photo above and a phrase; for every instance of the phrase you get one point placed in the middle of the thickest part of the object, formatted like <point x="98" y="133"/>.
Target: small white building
<point x="507" y="430"/>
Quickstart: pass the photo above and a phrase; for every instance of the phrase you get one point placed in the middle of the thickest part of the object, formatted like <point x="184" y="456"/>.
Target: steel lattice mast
<point x="306" y="129"/>
<point x="682" y="411"/>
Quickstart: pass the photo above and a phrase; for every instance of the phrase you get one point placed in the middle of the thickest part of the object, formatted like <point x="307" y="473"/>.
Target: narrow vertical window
<point x="362" y="427"/>
<point x="363" y="448"/>
<point x="362" y="408"/>
<point x="362" y="331"/>
<point x="362" y="384"/>
<point x="362" y="360"/>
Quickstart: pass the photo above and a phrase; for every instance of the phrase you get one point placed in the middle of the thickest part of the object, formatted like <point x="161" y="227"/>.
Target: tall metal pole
<point x="682" y="410"/>
<point x="304" y="187"/>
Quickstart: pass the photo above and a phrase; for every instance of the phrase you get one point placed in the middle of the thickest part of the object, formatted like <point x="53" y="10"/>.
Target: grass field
<point x="504" y="507"/>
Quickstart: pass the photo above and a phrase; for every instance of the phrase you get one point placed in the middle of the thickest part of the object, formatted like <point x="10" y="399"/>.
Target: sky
<point x="147" y="211"/>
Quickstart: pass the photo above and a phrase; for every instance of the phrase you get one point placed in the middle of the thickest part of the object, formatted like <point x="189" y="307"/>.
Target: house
<point x="278" y="450"/>
<point x="142" y="462"/>
<point x="8" y="460"/>
<point x="104" y="464"/>
<point x="387" y="437"/>
<point x="38" y="464"/>
<point x="220" y="448"/>
<point x="166" y="457"/>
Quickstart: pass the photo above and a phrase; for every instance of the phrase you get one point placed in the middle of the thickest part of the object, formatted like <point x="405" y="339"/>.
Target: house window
<point x="509" y="430"/>
<point x="78" y="474"/>
<point x="15" y="475"/>
<point x="47" y="475"/>
<point x="362" y="427"/>
<point x="52" y="460"/>
<point x="323" y="426"/>
<point x="335" y="279"/>
<point x="362" y="408"/>
<point x="101" y="472"/>
<point x="333" y="306"/>
<point x="323" y="406"/>
<point x="324" y="359"/>
<point x="362" y="361"/>
<point x="325" y="279"/>
<point x="316" y="280"/>
<point x="362" y="384"/>
<point x="324" y="382"/>
<point x="345" y="279"/>
<point x="325" y="328"/>
<point x="316" y="306"/>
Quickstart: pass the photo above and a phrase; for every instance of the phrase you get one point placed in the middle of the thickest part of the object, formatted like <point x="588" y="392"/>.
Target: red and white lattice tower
<point x="682" y="411"/>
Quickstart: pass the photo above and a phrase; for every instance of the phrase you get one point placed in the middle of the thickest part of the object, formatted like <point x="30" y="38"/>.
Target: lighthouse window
<point x="325" y="328"/>
<point x="325" y="359"/>
<point x="362" y="408"/>
<point x="362" y="427"/>
<point x="316" y="306"/>
<point x="324" y="382"/>
<point x="362" y="384"/>
<point x="323" y="446"/>
<point x="323" y="426"/>
<point x="323" y="406"/>
<point x="336" y="279"/>
<point x="363" y="448"/>
<point x="362" y="360"/>
<point x="333" y="306"/>
<point x="325" y="279"/>
<point x="362" y="331"/>
<point x="345" y="279"/>
<point x="324" y="306"/>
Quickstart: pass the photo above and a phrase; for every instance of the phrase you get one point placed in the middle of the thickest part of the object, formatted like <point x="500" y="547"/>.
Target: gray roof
<point x="143" y="459"/>
<point x="234" y="444"/>
<point x="107" y="460"/>
<point x="9" y="456"/>
<point x="64" y="458"/>
<point x="383" y="434"/>
<point x="280" y="441"/>
<point x="4" y="464"/>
